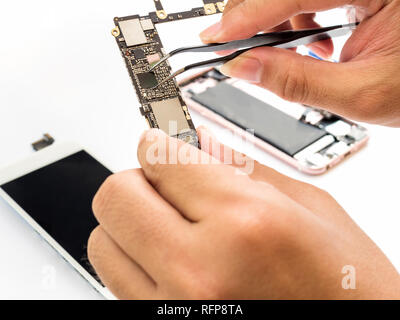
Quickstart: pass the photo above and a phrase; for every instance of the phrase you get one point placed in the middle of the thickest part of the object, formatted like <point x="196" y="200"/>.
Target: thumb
<point x="296" y="78"/>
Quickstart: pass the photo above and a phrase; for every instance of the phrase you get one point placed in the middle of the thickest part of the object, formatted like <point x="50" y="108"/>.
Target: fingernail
<point x="211" y="33"/>
<point x="249" y="69"/>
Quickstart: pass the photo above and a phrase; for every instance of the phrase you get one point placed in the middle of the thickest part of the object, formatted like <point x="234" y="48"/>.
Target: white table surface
<point x="61" y="72"/>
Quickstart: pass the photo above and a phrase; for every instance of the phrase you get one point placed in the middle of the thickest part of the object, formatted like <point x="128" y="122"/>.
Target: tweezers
<point x="284" y="39"/>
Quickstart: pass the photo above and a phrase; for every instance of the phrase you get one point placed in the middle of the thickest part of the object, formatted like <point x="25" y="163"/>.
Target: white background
<point x="61" y="72"/>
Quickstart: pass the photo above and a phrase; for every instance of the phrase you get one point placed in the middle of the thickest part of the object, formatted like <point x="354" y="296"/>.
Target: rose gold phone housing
<point x="264" y="145"/>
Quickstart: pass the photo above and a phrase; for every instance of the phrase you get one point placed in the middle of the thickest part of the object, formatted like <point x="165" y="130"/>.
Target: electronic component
<point x="339" y="128"/>
<point x="170" y="109"/>
<point x="138" y="54"/>
<point x="55" y="196"/>
<point x="47" y="140"/>
<point x="153" y="58"/>
<point x="132" y="32"/>
<point x="141" y="47"/>
<point x="310" y="139"/>
<point x="147" y="80"/>
<point x="280" y="130"/>
<point x="147" y="24"/>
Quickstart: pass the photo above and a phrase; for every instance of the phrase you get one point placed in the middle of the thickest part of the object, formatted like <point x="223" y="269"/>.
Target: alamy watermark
<point x="349" y="280"/>
<point x="163" y="150"/>
<point x="48" y="277"/>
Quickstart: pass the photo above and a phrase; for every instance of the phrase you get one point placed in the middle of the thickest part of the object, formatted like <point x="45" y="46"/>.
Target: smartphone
<point x="52" y="191"/>
<point x="308" y="139"/>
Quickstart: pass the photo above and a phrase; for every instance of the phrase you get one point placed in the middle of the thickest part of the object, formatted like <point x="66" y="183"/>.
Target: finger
<point x="282" y="27"/>
<point x="302" y="193"/>
<point x="225" y="52"/>
<point x="210" y="145"/>
<point x="141" y="222"/>
<point x="227" y="155"/>
<point x="331" y="86"/>
<point x="287" y="25"/>
<point x="231" y="4"/>
<point x="186" y="176"/>
<point x="124" y="277"/>
<point x="249" y="17"/>
<point x="306" y="21"/>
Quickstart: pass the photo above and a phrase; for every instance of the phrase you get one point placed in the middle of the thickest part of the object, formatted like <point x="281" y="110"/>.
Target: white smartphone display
<point x="53" y="191"/>
<point x="309" y="139"/>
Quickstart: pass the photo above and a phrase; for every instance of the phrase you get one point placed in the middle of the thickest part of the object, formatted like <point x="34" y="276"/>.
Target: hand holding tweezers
<point x="284" y="39"/>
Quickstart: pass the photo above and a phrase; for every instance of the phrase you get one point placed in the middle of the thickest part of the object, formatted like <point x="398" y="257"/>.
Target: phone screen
<point x="59" y="197"/>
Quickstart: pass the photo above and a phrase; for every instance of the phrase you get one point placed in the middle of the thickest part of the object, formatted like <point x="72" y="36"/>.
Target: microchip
<point x="170" y="116"/>
<point x="147" y="24"/>
<point x="132" y="32"/>
<point x="139" y="54"/>
<point x="147" y="80"/>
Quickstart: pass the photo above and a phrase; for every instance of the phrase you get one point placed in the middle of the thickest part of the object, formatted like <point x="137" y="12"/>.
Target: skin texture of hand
<point x="365" y="86"/>
<point x="208" y="231"/>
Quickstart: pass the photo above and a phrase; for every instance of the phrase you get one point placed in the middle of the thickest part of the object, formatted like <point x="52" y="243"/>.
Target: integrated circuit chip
<point x="133" y="32"/>
<point x="147" y="80"/>
<point x="170" y="116"/>
<point x="147" y="24"/>
<point x="139" y="54"/>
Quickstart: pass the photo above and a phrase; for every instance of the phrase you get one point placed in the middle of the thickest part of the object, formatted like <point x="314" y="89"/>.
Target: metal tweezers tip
<point x="163" y="81"/>
<point x="172" y="76"/>
<point x="165" y="58"/>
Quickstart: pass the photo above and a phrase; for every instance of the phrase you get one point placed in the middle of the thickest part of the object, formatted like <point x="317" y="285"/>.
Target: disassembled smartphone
<point x="309" y="139"/>
<point x="141" y="47"/>
<point x="52" y="191"/>
<point x="313" y="141"/>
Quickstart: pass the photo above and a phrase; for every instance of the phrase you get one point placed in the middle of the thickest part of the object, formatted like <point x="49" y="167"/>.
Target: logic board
<point x="141" y="47"/>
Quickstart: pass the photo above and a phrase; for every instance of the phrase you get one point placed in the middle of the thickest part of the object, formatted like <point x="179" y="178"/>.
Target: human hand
<point x="209" y="231"/>
<point x="364" y="87"/>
